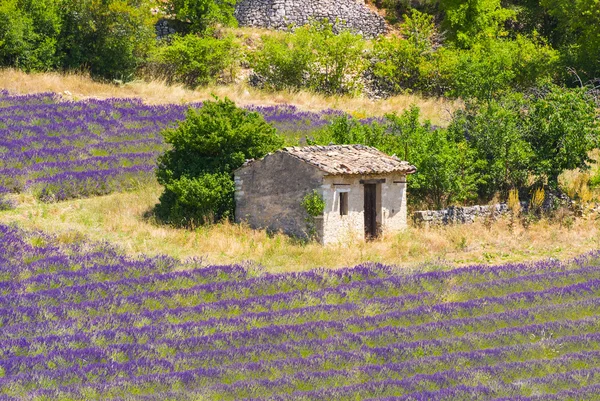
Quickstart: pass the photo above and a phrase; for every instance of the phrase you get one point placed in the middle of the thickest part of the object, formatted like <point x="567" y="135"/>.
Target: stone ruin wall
<point x="280" y="14"/>
<point x="459" y="215"/>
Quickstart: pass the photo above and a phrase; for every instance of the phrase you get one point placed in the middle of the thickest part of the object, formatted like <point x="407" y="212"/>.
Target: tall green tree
<point x="28" y="34"/>
<point x="197" y="171"/>
<point x="495" y="131"/>
<point x="578" y="27"/>
<point x="470" y="20"/>
<point x="111" y="38"/>
<point x="198" y="16"/>
<point x="562" y="128"/>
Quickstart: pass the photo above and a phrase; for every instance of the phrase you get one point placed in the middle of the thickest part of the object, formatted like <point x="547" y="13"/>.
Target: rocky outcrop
<point x="281" y="14"/>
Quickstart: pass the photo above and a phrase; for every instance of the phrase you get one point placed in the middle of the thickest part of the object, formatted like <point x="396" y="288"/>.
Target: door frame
<point x="370" y="210"/>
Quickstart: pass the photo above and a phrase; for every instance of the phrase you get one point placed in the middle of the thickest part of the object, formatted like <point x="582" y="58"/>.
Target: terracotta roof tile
<point x="350" y="159"/>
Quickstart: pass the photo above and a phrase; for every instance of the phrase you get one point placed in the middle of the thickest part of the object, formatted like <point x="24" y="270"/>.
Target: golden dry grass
<point x="79" y="86"/>
<point x="118" y="218"/>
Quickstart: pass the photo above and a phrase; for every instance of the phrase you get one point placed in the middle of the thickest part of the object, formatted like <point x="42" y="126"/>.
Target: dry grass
<point x="118" y="218"/>
<point x="78" y="86"/>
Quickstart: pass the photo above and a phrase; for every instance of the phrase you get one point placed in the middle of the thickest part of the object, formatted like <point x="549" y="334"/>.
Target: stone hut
<point x="364" y="191"/>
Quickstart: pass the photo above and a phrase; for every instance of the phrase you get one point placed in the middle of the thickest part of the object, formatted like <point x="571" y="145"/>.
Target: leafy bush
<point x="494" y="66"/>
<point x="518" y="139"/>
<point x="111" y="37"/>
<point x="562" y="127"/>
<point x="445" y="167"/>
<point x="197" y="200"/>
<point x="195" y="61"/>
<point x="314" y="57"/>
<point x="207" y="147"/>
<point x="198" y="16"/>
<point x="494" y="131"/>
<point x="469" y="21"/>
<point x="401" y="61"/>
<point x="28" y="34"/>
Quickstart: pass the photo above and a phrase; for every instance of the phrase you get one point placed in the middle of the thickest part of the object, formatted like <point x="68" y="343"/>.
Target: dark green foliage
<point x="28" y="34"/>
<point x="522" y="139"/>
<point x="313" y="57"/>
<point x="494" y="131"/>
<point x="445" y="167"/>
<point x="206" y="148"/>
<point x="578" y="28"/>
<point x="110" y="37"/>
<point x="562" y="129"/>
<point x="198" y="16"/>
<point x="195" y="60"/>
<point x="197" y="200"/>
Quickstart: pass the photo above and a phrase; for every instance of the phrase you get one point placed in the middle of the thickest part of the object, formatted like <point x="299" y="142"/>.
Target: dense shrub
<point x="198" y="16"/>
<point x="494" y="66"/>
<point x="494" y="131"/>
<point x="314" y="57"/>
<point x="110" y="37"/>
<point x="206" y="148"/>
<point x="28" y="34"/>
<point x="523" y="139"/>
<point x="195" y="60"/>
<point x="445" y="167"/>
<point x="403" y="63"/>
<point x="469" y="21"/>
<point x="417" y="62"/>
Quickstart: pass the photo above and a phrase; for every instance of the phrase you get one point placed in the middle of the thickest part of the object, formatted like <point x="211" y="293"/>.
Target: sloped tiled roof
<point x="350" y="159"/>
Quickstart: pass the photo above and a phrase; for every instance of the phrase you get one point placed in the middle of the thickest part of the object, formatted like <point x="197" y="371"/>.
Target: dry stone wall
<point x="280" y="14"/>
<point x="459" y="215"/>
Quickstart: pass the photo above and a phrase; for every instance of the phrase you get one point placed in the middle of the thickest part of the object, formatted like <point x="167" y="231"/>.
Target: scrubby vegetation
<point x="205" y="149"/>
<point x="479" y="49"/>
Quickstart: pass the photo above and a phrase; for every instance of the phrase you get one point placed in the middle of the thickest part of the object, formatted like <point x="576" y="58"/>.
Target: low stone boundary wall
<point x="459" y="214"/>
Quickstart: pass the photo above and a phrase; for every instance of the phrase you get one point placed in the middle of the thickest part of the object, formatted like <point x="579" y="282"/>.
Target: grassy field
<point x="78" y="86"/>
<point x="119" y="218"/>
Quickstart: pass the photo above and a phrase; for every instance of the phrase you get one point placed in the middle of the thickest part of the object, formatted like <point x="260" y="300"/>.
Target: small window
<point x="343" y="203"/>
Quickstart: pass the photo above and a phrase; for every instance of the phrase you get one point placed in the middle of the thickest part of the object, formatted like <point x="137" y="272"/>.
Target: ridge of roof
<point x="349" y="159"/>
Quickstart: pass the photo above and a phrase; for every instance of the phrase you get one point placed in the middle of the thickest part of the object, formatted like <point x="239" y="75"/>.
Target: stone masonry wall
<point x="391" y="205"/>
<point x="280" y="14"/>
<point x="460" y="215"/>
<point x="268" y="193"/>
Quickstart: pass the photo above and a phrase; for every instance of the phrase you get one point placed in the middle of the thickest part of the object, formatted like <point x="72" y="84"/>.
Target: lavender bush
<point x="59" y="149"/>
<point x="82" y="321"/>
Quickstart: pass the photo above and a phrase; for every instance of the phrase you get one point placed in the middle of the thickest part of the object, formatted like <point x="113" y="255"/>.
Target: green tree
<point x="110" y="37"/>
<point x="198" y="16"/>
<point x="28" y="34"/>
<point x="578" y="34"/>
<point x="197" y="172"/>
<point x="562" y="128"/>
<point x="470" y="20"/>
<point x="445" y="168"/>
<point x="495" y="131"/>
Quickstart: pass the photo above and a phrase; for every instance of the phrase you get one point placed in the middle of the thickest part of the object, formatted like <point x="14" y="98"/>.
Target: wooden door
<point x="370" y="211"/>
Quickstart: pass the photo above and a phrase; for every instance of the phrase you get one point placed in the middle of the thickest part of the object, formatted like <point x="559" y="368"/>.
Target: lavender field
<point x="57" y="149"/>
<point x="82" y="321"/>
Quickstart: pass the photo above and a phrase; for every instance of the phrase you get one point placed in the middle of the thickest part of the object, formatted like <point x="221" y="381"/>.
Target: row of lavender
<point x="60" y="149"/>
<point x="84" y="322"/>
